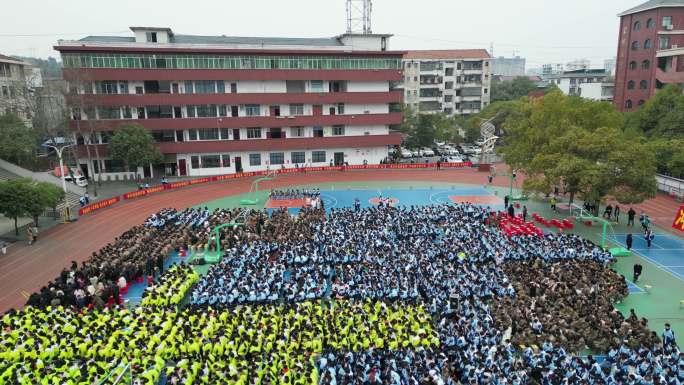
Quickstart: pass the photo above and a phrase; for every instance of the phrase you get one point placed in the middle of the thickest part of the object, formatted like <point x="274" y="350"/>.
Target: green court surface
<point x="659" y="304"/>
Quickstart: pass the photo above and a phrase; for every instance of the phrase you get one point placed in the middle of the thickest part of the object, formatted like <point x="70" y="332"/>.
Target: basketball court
<point x="666" y="251"/>
<point x="369" y="197"/>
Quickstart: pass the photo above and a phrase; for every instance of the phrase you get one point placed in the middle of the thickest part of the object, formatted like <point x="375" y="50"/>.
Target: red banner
<point x="99" y="205"/>
<point x="679" y="219"/>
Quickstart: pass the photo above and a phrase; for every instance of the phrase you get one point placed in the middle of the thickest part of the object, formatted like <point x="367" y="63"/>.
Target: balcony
<point x="393" y="138"/>
<point x="241" y="122"/>
<point x="237" y="98"/>
<point x="668" y="77"/>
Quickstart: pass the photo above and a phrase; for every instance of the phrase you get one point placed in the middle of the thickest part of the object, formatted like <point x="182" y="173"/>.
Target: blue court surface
<point x="666" y="251"/>
<point x="410" y="197"/>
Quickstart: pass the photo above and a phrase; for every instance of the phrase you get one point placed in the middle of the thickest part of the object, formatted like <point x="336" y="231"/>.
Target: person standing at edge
<point x="629" y="241"/>
<point x="630" y="216"/>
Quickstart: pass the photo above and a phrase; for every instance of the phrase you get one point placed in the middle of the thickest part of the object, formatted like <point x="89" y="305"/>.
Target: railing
<point x="671" y="186"/>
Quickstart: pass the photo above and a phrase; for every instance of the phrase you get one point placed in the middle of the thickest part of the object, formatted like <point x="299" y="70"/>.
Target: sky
<point x="542" y="31"/>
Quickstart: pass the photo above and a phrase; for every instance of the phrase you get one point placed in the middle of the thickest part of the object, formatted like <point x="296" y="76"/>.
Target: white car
<point x="80" y="180"/>
<point x="406" y="153"/>
<point x="428" y="152"/>
<point x="453" y="159"/>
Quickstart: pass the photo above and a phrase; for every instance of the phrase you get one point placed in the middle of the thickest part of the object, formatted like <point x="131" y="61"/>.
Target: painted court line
<point x="654" y="261"/>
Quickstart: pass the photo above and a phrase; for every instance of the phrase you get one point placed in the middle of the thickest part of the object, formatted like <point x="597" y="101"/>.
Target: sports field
<point x="656" y="296"/>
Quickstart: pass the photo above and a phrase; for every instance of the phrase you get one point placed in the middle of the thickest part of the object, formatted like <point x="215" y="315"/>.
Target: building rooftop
<point x="4" y="58"/>
<point x="223" y="40"/>
<point x="448" y="54"/>
<point x="580" y="73"/>
<point x="653" y="4"/>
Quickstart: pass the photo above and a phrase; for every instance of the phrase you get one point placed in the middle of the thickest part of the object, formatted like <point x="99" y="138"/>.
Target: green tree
<point x="662" y="116"/>
<point x="423" y="129"/>
<point x="43" y="195"/>
<point x="18" y="143"/>
<point x="14" y="200"/>
<point x="512" y="89"/>
<point x="133" y="145"/>
<point x="577" y="144"/>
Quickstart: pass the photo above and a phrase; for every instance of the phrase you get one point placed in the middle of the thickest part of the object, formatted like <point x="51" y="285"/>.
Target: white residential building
<point x="593" y="84"/>
<point x="456" y="82"/>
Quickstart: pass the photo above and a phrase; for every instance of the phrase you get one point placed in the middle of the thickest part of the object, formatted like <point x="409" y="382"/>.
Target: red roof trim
<point x="448" y="54"/>
<point x="303" y="52"/>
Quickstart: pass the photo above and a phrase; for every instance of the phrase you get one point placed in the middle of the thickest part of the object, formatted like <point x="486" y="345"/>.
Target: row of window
<point x="274" y="158"/>
<point x="664" y="43"/>
<point x="629" y="105"/>
<point x="650" y="23"/>
<point x="646" y="64"/>
<point x="643" y="85"/>
<point x="193" y="111"/>
<point x="131" y="60"/>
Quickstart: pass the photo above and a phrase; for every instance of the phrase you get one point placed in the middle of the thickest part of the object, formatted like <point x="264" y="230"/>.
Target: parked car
<point x="405" y="153"/>
<point x="426" y="151"/>
<point x="453" y="159"/>
<point x="80" y="180"/>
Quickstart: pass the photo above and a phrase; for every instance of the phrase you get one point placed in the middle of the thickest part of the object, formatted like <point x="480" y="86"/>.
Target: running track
<point x="28" y="268"/>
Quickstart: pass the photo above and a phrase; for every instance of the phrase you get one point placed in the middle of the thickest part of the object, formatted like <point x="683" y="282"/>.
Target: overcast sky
<point x="542" y="31"/>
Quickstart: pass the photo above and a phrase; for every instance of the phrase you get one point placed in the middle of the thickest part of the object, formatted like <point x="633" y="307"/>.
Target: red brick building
<point x="223" y="104"/>
<point x="649" y="54"/>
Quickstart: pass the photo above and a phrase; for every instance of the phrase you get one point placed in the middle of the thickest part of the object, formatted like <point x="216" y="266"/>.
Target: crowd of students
<point x="384" y="295"/>
<point x="294" y="194"/>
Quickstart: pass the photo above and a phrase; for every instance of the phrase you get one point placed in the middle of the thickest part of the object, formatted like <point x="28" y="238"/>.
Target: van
<point x="80" y="180"/>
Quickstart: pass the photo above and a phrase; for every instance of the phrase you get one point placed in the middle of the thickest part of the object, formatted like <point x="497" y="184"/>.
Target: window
<point x="5" y="91"/>
<point x="206" y="111"/>
<point x="189" y="87"/>
<point x="5" y="70"/>
<point x="340" y="108"/>
<point x="253" y="110"/>
<point x="646" y="64"/>
<point x="225" y="160"/>
<point x="297" y="132"/>
<point x="123" y="87"/>
<point x="297" y="157"/>
<point x="318" y="156"/>
<point x="164" y="136"/>
<point x="630" y="85"/>
<point x="109" y="112"/>
<point x="632" y="65"/>
<point x="667" y="21"/>
<point x="205" y="87"/>
<point x="211" y="161"/>
<point x="449" y="72"/>
<point x="318" y="132"/>
<point x="449" y="85"/>
<point x="637" y="25"/>
<point x="112" y="165"/>
<point x="635" y="45"/>
<point x="664" y="42"/>
<point x="255" y="159"/>
<point x="628" y="104"/>
<point x="296" y="109"/>
<point x="448" y="98"/>
<point x="127" y="113"/>
<point x="650" y="24"/>
<point x="223" y="110"/>
<point x="641" y="103"/>
<point x="194" y="161"/>
<point x="108" y="87"/>
<point x="277" y="157"/>
<point x="192" y="134"/>
<point x="253" y="133"/>
<point x="151" y="37"/>
<point x="295" y="86"/>
<point x="648" y="44"/>
<point x="338" y="130"/>
<point x="220" y="87"/>
<point x="643" y="84"/>
<point x="317" y="86"/>
<point x="206" y="133"/>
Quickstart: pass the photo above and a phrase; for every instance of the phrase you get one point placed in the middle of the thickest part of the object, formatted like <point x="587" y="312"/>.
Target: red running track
<point x="28" y="268"/>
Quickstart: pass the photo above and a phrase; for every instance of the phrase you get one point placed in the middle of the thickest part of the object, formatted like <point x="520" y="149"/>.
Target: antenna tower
<point x="359" y="16"/>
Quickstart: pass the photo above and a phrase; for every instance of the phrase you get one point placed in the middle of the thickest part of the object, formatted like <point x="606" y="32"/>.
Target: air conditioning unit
<point x="669" y="27"/>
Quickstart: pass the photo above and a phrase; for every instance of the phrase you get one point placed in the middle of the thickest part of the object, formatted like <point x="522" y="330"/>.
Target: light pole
<point x="59" y="151"/>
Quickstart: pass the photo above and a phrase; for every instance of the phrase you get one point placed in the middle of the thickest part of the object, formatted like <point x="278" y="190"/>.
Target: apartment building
<point x="595" y="84"/>
<point x="221" y="104"/>
<point x="456" y="82"/>
<point x="508" y="66"/>
<point x="649" y="54"/>
<point x="17" y="82"/>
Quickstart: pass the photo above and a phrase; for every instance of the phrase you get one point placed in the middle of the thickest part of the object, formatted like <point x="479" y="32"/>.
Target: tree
<point x="43" y="195"/>
<point x="133" y="145"/>
<point x="423" y="129"/>
<point x="13" y="200"/>
<point x="18" y="143"/>
<point x="662" y="116"/>
<point x="512" y="89"/>
<point x="577" y="144"/>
